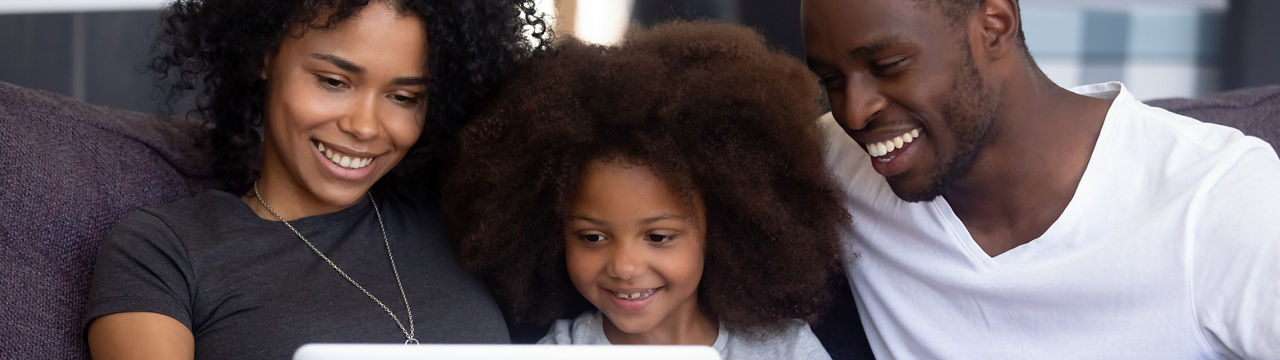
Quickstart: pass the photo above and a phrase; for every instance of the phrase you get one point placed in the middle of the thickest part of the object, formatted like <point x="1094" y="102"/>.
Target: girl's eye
<point x="592" y="238"/>
<point x="659" y="238"/>
<point x="330" y="83"/>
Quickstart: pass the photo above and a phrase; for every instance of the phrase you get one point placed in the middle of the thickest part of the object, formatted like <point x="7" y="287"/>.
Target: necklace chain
<point x="408" y="334"/>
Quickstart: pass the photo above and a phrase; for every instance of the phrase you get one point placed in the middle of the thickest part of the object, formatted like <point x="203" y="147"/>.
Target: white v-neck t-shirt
<point x="1169" y="249"/>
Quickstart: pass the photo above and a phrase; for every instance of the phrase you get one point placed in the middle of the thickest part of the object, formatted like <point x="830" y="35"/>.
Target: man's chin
<point x="915" y="193"/>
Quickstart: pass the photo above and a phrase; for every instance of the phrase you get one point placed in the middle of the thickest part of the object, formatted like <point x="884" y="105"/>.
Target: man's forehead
<point x="849" y="10"/>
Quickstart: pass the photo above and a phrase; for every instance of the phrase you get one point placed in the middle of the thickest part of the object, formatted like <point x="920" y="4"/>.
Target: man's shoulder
<point x="1171" y="141"/>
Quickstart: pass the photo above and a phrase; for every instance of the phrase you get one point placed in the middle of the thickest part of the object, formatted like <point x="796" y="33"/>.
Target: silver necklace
<point x="408" y="335"/>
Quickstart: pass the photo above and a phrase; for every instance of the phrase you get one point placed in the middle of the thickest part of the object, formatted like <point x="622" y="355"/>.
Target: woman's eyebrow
<point x="410" y="81"/>
<point x="344" y="64"/>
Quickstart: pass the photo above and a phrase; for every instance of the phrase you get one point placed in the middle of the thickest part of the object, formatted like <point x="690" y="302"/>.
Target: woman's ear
<point x="266" y="64"/>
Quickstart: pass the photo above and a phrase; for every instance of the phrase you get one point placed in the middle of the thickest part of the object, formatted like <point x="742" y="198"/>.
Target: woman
<point x="301" y="249"/>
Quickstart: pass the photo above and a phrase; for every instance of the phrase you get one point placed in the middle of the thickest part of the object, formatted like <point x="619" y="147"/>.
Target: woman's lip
<point x="340" y="172"/>
<point x="346" y="150"/>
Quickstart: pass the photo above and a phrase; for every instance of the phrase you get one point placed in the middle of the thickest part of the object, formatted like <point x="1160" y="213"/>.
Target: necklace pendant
<point x="411" y="341"/>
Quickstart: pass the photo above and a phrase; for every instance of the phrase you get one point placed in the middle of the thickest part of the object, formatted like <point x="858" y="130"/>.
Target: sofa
<point x="71" y="170"/>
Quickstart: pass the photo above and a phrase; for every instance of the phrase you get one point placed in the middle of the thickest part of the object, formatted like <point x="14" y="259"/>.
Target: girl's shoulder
<point x="586" y="329"/>
<point x="795" y="340"/>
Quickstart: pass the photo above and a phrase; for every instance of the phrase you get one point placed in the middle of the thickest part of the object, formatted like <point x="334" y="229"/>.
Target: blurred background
<point x="95" y="50"/>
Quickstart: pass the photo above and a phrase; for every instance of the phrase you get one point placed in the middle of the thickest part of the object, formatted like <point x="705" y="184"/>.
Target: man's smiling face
<point x="902" y="82"/>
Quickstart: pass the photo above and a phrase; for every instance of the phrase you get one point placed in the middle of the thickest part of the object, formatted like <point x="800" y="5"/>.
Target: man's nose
<point x="862" y="103"/>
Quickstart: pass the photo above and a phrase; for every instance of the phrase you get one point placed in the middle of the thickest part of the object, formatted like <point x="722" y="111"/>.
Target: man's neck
<point x="1027" y="174"/>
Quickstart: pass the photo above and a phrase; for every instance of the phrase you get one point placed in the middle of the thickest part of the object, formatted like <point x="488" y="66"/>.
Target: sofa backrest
<point x="1255" y="111"/>
<point x="69" y="171"/>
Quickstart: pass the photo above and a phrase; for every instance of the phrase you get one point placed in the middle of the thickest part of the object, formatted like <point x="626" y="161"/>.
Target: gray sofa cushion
<point x="1255" y="111"/>
<point x="70" y="171"/>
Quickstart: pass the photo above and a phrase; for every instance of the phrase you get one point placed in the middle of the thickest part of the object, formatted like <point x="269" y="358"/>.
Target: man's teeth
<point x="885" y="147"/>
<point x="345" y="161"/>
<point x="635" y="295"/>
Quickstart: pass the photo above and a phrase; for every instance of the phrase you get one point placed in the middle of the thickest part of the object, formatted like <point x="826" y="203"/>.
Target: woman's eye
<point x="404" y="99"/>
<point x="659" y="238"/>
<point x="330" y="83"/>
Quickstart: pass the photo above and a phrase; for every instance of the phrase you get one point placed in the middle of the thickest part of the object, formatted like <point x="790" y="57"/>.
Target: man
<point x="999" y="216"/>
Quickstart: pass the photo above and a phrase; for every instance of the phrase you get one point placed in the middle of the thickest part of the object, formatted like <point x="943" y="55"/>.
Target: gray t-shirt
<point x="248" y="288"/>
<point x="796" y="341"/>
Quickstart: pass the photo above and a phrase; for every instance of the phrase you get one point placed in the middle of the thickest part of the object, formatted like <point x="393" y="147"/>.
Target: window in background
<point x="1165" y="48"/>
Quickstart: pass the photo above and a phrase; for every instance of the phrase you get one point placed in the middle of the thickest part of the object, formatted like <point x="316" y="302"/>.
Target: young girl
<point x="308" y="105"/>
<point x="674" y="183"/>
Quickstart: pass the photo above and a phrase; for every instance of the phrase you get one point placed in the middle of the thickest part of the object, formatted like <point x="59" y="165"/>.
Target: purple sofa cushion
<point x="69" y="172"/>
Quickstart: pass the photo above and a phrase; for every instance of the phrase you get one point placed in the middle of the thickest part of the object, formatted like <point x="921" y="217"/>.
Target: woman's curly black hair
<point x="216" y="49"/>
<point x="712" y="111"/>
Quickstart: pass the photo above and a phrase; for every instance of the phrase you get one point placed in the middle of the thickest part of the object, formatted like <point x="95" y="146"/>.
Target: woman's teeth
<point x="345" y="161"/>
<point x="634" y="295"/>
<point x="885" y="147"/>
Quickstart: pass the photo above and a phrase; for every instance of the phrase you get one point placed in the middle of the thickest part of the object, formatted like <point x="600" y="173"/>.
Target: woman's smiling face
<point x="634" y="248"/>
<point x="343" y="107"/>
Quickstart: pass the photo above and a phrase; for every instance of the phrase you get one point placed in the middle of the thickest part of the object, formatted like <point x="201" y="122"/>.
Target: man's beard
<point x="969" y="115"/>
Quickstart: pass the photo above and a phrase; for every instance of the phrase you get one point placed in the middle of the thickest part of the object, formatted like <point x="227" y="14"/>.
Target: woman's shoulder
<point x="202" y="206"/>
<point x="194" y="215"/>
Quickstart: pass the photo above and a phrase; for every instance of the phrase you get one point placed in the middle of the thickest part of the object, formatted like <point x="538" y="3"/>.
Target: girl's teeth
<point x="634" y="295"/>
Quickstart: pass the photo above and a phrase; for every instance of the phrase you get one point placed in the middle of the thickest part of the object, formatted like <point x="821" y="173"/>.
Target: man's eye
<point x="889" y="66"/>
<point x="831" y="82"/>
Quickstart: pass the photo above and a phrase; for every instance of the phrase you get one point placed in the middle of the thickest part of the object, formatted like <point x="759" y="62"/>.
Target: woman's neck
<point x="287" y="199"/>
<point x="688" y="327"/>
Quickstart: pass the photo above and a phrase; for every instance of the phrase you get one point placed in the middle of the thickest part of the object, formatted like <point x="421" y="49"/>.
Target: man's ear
<point x="1000" y="24"/>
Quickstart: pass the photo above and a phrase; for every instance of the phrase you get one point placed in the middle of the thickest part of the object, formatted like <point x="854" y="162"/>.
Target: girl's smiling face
<point x="343" y="106"/>
<point x="634" y="249"/>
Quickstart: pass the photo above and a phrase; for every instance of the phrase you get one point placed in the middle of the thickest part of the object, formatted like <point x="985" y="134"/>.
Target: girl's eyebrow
<point x="658" y="218"/>
<point x="644" y="221"/>
<point x="587" y="219"/>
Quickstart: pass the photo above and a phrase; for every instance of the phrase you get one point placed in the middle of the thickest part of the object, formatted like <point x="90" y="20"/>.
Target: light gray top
<point x="796" y="341"/>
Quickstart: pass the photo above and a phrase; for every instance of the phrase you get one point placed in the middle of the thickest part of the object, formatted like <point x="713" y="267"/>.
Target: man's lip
<point x="882" y="134"/>
<point x="347" y="150"/>
<point x="898" y="161"/>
